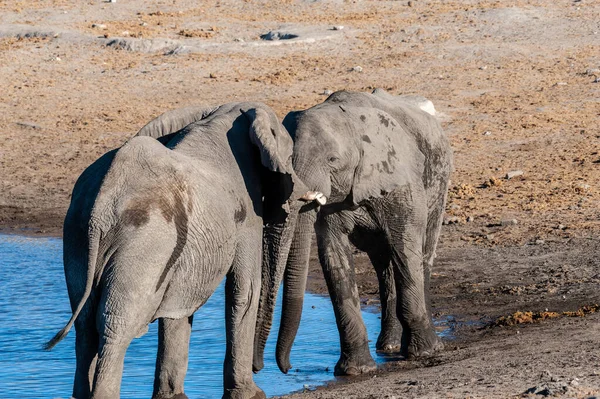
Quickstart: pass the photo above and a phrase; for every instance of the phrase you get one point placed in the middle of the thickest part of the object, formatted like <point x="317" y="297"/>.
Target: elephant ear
<point x="275" y="147"/>
<point x="168" y="123"/>
<point x="389" y="156"/>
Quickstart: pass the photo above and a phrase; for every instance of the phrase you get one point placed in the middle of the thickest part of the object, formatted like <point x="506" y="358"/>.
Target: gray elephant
<point x="383" y="164"/>
<point x="156" y="225"/>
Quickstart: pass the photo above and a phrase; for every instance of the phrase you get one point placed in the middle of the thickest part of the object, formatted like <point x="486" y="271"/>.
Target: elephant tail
<point x="94" y="244"/>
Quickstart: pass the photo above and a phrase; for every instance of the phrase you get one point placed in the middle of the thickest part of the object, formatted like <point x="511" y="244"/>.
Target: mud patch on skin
<point x="240" y="214"/>
<point x="383" y="120"/>
<point x="366" y="139"/>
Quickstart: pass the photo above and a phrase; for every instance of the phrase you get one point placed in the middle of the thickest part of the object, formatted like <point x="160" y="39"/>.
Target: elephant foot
<point x="354" y="366"/>
<point x="167" y="396"/>
<point x="244" y="393"/>
<point x="389" y="342"/>
<point x="420" y="343"/>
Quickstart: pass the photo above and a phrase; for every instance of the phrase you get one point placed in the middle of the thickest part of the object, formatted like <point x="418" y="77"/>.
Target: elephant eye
<point x="333" y="159"/>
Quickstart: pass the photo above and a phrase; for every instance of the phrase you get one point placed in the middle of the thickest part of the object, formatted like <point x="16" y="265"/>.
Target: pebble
<point x="540" y="242"/>
<point x="514" y="173"/>
<point x="238" y="39"/>
<point x="450" y="220"/>
<point x="509" y="222"/>
<point x="99" y="26"/>
<point x="339" y="27"/>
<point x="487" y="133"/>
<point x="592" y="71"/>
<point x="483" y="68"/>
<point x="470" y="219"/>
<point x="327" y="92"/>
<point x="357" y="69"/>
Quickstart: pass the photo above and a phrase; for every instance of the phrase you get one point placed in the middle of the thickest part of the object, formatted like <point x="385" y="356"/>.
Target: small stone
<point x="487" y="133"/>
<point x="410" y="4"/>
<point x="327" y="92"/>
<point x="212" y="76"/>
<point x="112" y="1"/>
<point x="125" y="33"/>
<point x="509" y="222"/>
<point x="514" y="173"/>
<point x="561" y="227"/>
<point x="470" y="219"/>
<point x="574" y="382"/>
<point x="99" y="26"/>
<point x="238" y="39"/>
<point x="540" y="242"/>
<point x="483" y="67"/>
<point x="454" y="206"/>
<point x="339" y="27"/>
<point x="450" y="220"/>
<point x="144" y="24"/>
<point x="58" y="59"/>
<point x="357" y="69"/>
<point x="592" y="71"/>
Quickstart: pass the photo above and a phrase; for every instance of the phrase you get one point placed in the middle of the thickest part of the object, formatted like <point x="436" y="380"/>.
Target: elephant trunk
<point x="294" y="286"/>
<point x="277" y="238"/>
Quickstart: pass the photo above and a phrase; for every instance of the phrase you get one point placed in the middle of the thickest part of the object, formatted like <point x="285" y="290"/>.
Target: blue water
<point x="34" y="305"/>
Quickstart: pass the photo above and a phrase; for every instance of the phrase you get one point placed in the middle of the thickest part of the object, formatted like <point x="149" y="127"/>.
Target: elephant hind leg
<point x="172" y="358"/>
<point x="86" y="353"/>
<point x="242" y="291"/>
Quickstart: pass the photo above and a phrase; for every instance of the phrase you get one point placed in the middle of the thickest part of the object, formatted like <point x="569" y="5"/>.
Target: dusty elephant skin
<point x="383" y="164"/>
<point x="156" y="225"/>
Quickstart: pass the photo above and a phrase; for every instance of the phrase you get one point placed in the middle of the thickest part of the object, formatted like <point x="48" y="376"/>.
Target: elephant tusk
<point x="314" y="196"/>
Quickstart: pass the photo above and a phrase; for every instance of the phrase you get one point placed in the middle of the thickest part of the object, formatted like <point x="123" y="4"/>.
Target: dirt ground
<point x="515" y="84"/>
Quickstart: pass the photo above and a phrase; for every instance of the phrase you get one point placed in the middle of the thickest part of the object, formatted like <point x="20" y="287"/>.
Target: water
<point x="34" y="305"/>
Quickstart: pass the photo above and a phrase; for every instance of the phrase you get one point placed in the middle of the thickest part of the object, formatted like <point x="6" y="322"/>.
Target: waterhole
<point x="34" y="305"/>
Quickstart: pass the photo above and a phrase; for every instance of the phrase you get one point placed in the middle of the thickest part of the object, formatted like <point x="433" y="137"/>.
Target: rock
<point x="487" y="133"/>
<point x="454" y="206"/>
<point x="483" y="67"/>
<point x="339" y="27"/>
<point x="99" y="26"/>
<point x="514" y="173"/>
<point x="327" y="92"/>
<point x="470" y="219"/>
<point x="509" y="222"/>
<point x="357" y="69"/>
<point x="540" y="242"/>
<point x="592" y="71"/>
<point x="450" y="220"/>
<point x="276" y="35"/>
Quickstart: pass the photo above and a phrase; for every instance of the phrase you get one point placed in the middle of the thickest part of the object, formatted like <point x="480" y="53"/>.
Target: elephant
<point x="382" y="164"/>
<point x="153" y="228"/>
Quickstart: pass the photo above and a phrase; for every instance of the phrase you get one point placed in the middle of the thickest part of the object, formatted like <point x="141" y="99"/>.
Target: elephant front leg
<point x="335" y="255"/>
<point x="242" y="290"/>
<point x="390" y="337"/>
<point x="172" y="358"/>
<point x="412" y="285"/>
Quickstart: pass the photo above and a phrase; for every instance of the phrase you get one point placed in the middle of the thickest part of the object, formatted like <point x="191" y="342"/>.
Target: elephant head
<point x="352" y="148"/>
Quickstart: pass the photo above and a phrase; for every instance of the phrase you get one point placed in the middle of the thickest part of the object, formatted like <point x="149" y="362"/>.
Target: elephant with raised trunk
<point x="382" y="164"/>
<point x="156" y="225"/>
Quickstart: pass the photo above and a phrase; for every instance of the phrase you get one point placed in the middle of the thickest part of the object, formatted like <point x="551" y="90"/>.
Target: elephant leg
<point x="242" y="291"/>
<point x="406" y="229"/>
<point x="390" y="337"/>
<point x="377" y="248"/>
<point x="86" y="351"/>
<point x="172" y="358"/>
<point x="335" y="255"/>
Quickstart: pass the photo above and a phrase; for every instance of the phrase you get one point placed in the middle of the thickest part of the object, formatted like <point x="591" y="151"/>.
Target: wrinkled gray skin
<point x="384" y="165"/>
<point x="154" y="227"/>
